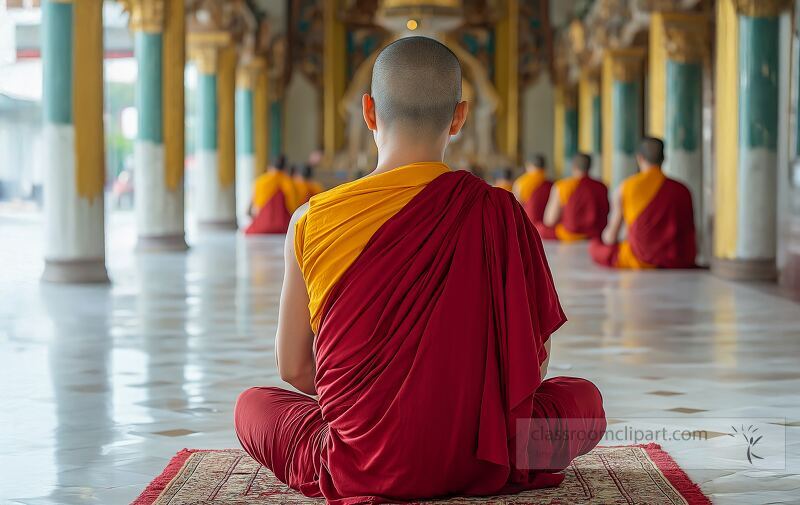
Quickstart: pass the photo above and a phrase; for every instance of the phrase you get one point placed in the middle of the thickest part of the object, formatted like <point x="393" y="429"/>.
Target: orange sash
<point x="269" y="183"/>
<point x="527" y="183"/>
<point x="340" y="222"/>
<point x="637" y="193"/>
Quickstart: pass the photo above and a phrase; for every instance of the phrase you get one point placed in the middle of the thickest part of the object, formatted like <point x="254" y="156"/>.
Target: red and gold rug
<point x="607" y="475"/>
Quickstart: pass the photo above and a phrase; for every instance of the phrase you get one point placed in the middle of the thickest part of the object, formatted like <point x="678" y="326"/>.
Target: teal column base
<point x="759" y="48"/>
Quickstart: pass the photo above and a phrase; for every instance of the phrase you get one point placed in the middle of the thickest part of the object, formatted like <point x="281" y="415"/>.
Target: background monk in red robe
<point x="578" y="206"/>
<point x="532" y="188"/>
<point x="657" y="213"/>
<point x="274" y="199"/>
<point x="417" y="305"/>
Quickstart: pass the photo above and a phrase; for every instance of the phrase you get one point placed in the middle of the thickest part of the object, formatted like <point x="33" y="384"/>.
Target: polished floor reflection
<point x="100" y="386"/>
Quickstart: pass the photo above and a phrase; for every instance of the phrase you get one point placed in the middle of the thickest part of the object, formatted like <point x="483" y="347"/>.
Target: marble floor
<point x="101" y="385"/>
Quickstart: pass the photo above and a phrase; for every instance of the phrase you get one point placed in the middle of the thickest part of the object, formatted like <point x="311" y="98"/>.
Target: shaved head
<point x="416" y="85"/>
<point x="582" y="162"/>
<point x="652" y="150"/>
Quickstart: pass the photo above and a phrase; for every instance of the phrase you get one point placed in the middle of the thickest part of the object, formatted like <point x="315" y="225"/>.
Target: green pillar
<point x="570" y="133"/>
<point x="245" y="149"/>
<point x="622" y="113"/>
<point x="746" y="138"/>
<point x="159" y="30"/>
<point x="758" y="136"/>
<point x="74" y="169"/>
<point x="148" y="50"/>
<point x="207" y="113"/>
<point x="597" y="125"/>
<point x="626" y="109"/>
<point x="216" y="60"/>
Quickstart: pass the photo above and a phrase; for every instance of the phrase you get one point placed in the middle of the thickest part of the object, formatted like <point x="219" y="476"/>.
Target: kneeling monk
<point x="657" y="213"/>
<point x="532" y="188"/>
<point x="578" y="206"/>
<point x="418" y="305"/>
<point x="274" y="200"/>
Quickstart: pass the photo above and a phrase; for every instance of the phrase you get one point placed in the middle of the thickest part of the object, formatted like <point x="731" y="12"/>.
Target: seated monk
<point x="578" y="206"/>
<point x="657" y="213"/>
<point x="305" y="185"/>
<point x="532" y="188"/>
<point x="503" y="179"/>
<point x="274" y="200"/>
<point x="417" y="306"/>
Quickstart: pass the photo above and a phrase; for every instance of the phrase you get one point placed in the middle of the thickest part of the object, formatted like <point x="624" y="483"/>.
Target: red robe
<point x="662" y="236"/>
<point x="583" y="216"/>
<point x="273" y="217"/>
<point x="534" y="206"/>
<point x="428" y="359"/>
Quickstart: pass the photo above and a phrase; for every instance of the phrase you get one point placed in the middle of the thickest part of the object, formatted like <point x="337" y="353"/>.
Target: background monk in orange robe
<point x="417" y="305"/>
<point x="532" y="188"/>
<point x="304" y="183"/>
<point x="274" y="199"/>
<point x="578" y="206"/>
<point x="503" y="179"/>
<point x="657" y="213"/>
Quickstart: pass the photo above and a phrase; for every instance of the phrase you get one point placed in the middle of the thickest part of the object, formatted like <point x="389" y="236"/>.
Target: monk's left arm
<point x="611" y="233"/>
<point x="546" y="362"/>
<point x="294" y="342"/>
<point x="552" y="212"/>
<point x="516" y="191"/>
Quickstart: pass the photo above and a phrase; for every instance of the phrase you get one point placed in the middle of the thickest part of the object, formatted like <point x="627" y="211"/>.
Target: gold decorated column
<point x="261" y="120"/>
<point x="746" y="131"/>
<point x="566" y="127"/>
<point x="251" y="141"/>
<point x="215" y="56"/>
<point x="589" y="114"/>
<point x="622" y="112"/>
<point x="507" y="80"/>
<point x="160" y="48"/>
<point x="678" y="49"/>
<point x="333" y="79"/>
<point x="74" y="156"/>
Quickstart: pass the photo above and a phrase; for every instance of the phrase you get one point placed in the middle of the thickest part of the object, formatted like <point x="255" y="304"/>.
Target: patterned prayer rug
<point x="607" y="475"/>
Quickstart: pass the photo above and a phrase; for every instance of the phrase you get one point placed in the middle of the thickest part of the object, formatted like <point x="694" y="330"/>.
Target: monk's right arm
<point x="611" y="233"/>
<point x="552" y="212"/>
<point x="294" y="342"/>
<point x="546" y="362"/>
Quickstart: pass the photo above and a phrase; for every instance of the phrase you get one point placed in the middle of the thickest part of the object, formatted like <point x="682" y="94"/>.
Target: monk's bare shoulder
<point x="298" y="213"/>
<point x="296" y="216"/>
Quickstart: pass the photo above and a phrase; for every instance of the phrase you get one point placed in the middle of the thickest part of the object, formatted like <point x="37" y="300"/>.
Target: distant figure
<point x="315" y="158"/>
<point x="304" y="183"/>
<point x="657" y="213"/>
<point x="578" y="206"/>
<point x="274" y="200"/>
<point x="532" y="188"/>
<point x="122" y="190"/>
<point x="416" y="313"/>
<point x="503" y="179"/>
